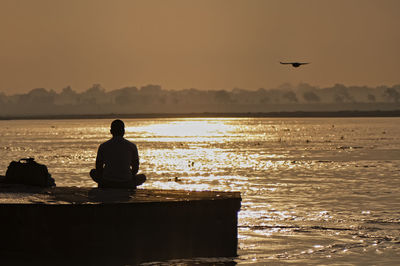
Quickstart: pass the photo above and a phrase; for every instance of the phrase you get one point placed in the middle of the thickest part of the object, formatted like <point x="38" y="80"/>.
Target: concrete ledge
<point x="131" y="226"/>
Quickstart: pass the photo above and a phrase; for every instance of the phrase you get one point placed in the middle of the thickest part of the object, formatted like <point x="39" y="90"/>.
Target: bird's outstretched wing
<point x="294" y="64"/>
<point x="291" y="63"/>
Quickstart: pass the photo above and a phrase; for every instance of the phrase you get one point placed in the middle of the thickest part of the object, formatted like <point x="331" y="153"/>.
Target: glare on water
<point x="317" y="191"/>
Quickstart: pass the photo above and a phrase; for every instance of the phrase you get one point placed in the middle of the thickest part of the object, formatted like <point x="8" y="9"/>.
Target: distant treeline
<point x="153" y="99"/>
<point x="298" y="114"/>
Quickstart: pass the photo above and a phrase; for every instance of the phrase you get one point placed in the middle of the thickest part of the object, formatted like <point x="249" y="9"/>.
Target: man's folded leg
<point x="139" y="179"/>
<point x="94" y="176"/>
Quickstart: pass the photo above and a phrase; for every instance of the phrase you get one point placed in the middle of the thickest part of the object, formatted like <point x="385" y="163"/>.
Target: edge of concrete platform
<point x="137" y="225"/>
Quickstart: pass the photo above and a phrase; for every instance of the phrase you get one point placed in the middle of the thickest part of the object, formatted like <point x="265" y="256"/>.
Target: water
<point x="315" y="190"/>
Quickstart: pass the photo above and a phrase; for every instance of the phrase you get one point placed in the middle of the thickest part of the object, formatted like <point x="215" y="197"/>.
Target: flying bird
<point x="294" y="64"/>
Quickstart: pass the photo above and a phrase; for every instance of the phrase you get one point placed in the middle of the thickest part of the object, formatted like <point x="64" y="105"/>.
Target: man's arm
<point x="99" y="163"/>
<point x="135" y="161"/>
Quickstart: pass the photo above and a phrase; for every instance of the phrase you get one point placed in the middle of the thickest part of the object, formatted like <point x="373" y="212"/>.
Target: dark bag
<point x="28" y="172"/>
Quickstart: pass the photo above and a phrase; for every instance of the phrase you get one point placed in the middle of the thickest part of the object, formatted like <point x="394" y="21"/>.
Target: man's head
<point x="117" y="128"/>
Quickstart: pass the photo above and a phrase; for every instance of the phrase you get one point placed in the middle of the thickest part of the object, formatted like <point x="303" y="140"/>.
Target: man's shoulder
<point x="129" y="143"/>
<point x="108" y="142"/>
<point x="112" y="142"/>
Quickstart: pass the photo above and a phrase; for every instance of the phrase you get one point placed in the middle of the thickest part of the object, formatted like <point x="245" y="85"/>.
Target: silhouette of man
<point x="117" y="162"/>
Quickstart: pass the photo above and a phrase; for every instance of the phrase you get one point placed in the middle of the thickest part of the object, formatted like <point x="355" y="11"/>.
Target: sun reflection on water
<point x="185" y="128"/>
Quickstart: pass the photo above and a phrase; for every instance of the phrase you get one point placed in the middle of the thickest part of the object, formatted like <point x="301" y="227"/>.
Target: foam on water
<point x="315" y="190"/>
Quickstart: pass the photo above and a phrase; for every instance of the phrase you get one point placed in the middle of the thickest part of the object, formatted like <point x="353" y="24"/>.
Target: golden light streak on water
<point x="201" y="128"/>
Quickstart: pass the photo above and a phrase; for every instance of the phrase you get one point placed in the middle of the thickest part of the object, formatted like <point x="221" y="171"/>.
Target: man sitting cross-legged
<point x="117" y="162"/>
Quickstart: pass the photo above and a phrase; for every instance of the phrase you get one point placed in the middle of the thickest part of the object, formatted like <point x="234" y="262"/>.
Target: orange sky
<point x="204" y="44"/>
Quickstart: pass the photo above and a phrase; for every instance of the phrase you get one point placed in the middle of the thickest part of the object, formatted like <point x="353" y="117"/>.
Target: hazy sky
<point x="204" y="44"/>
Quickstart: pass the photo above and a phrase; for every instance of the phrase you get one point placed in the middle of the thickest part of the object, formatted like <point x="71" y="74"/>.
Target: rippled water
<point x="315" y="190"/>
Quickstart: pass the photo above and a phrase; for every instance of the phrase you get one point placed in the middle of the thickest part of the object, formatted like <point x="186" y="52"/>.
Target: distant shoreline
<point x="327" y="114"/>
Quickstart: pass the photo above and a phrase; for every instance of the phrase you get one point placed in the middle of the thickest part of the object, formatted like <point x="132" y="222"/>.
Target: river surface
<point x="315" y="190"/>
